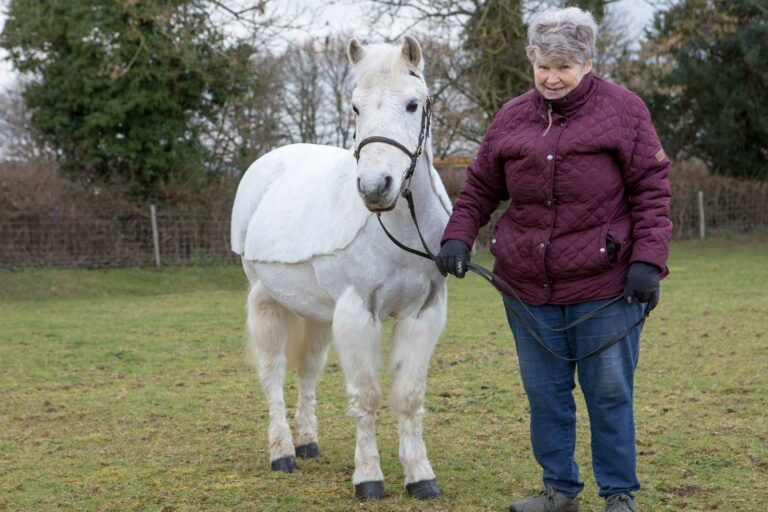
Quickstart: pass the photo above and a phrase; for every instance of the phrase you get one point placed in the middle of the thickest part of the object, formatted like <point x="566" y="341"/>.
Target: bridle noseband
<point x="426" y="120"/>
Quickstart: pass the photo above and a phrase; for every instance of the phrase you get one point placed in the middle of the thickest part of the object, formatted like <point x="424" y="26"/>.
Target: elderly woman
<point x="580" y="162"/>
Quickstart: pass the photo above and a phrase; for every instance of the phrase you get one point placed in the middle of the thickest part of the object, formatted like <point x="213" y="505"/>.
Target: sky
<point x="332" y="15"/>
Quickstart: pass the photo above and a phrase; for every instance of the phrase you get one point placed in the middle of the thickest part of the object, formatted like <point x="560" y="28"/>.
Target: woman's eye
<point x="412" y="106"/>
<point x="354" y="109"/>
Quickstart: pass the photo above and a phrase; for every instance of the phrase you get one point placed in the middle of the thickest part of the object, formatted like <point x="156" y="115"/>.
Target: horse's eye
<point x="412" y="106"/>
<point x="354" y="109"/>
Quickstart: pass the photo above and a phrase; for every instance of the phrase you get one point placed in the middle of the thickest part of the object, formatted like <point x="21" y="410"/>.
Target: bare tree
<point x="614" y="43"/>
<point x="303" y="92"/>
<point x="250" y="125"/>
<point x="18" y="139"/>
<point x="337" y="78"/>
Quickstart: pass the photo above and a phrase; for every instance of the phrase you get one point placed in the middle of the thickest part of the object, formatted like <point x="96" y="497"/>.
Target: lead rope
<point x="498" y="283"/>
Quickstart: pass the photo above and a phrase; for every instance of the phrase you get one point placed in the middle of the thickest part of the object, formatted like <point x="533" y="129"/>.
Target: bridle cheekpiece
<point x="426" y="120"/>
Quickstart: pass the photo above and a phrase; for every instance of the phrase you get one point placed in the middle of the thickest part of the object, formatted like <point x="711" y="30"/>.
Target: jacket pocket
<point x="620" y="236"/>
<point x="512" y="250"/>
<point x="579" y="254"/>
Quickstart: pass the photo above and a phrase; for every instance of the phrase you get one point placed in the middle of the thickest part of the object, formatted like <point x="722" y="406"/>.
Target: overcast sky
<point x="333" y="15"/>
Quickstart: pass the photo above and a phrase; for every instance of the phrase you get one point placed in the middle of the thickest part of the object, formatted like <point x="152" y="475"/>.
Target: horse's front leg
<point x="357" y="337"/>
<point x="413" y="339"/>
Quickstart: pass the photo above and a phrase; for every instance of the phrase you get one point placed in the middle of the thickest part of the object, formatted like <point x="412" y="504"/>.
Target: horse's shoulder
<point x="310" y="208"/>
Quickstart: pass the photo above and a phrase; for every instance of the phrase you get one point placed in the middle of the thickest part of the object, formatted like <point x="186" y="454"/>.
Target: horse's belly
<point x="295" y="287"/>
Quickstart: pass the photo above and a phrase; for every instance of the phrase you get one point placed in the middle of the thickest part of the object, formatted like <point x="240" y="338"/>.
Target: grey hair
<point x="568" y="34"/>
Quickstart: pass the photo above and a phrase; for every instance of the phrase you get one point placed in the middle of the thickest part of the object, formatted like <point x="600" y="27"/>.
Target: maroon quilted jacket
<point x="597" y="179"/>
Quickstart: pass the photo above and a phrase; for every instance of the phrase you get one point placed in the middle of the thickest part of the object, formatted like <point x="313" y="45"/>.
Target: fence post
<point x="155" y="234"/>
<point x="702" y="224"/>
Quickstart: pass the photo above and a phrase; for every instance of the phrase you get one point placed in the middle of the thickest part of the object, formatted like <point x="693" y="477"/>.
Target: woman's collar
<point x="574" y="99"/>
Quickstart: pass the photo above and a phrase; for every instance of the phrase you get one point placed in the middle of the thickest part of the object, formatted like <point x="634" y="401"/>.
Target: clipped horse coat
<point x="320" y="268"/>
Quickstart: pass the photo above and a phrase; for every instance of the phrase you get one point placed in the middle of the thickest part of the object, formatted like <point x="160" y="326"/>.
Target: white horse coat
<point x="320" y="265"/>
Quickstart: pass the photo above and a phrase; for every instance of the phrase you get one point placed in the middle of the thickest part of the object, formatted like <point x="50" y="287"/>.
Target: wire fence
<point x="74" y="242"/>
<point x="94" y="243"/>
<point x="702" y="205"/>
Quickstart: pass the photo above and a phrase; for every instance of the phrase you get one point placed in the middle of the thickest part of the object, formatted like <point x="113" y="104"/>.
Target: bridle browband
<point x="504" y="288"/>
<point x="426" y="121"/>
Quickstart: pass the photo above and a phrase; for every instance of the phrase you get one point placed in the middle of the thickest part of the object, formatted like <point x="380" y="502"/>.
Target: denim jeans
<point x="606" y="381"/>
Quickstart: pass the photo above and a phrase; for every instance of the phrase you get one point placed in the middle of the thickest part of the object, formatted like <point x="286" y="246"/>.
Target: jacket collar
<point x="572" y="101"/>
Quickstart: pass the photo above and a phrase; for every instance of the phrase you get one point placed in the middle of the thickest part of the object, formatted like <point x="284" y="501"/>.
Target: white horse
<point x="320" y="267"/>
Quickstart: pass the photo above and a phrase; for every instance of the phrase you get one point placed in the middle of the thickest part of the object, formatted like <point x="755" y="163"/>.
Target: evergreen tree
<point x="122" y="89"/>
<point x="704" y="76"/>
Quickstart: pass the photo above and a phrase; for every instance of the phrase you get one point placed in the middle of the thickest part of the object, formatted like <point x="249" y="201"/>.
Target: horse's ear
<point x="412" y="50"/>
<point x="355" y="51"/>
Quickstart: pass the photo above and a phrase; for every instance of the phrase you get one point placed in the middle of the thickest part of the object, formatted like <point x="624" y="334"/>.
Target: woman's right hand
<point x="453" y="258"/>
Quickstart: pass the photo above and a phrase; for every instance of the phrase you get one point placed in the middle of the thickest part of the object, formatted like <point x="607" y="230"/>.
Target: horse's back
<point x="296" y="202"/>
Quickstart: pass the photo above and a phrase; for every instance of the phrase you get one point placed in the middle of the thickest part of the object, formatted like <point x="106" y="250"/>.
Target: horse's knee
<point x="407" y="397"/>
<point x="363" y="401"/>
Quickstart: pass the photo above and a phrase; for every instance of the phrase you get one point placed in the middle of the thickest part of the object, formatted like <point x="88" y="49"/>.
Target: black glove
<point x="643" y="284"/>
<point x="453" y="257"/>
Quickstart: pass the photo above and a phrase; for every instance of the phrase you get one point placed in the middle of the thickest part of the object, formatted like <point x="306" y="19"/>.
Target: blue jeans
<point x="606" y="381"/>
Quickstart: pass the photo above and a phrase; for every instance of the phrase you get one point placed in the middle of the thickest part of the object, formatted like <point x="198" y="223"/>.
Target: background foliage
<point x="704" y="72"/>
<point x="157" y="95"/>
<point x="124" y="89"/>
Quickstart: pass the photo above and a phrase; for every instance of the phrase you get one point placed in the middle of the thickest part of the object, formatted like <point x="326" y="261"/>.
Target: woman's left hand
<point x="643" y="284"/>
<point x="453" y="258"/>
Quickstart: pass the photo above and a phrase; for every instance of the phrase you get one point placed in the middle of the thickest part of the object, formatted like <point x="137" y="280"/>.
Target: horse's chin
<point x="379" y="209"/>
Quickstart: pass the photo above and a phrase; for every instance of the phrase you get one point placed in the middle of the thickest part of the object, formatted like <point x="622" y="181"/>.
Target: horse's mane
<point x="383" y="64"/>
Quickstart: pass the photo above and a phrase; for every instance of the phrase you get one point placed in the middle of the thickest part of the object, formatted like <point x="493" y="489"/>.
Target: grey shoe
<point x="620" y="503"/>
<point x="548" y="501"/>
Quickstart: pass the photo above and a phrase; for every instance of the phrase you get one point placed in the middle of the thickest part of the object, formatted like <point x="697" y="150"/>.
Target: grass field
<point x="128" y="390"/>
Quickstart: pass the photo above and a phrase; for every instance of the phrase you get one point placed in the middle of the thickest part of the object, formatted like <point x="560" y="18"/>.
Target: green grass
<point x="127" y="390"/>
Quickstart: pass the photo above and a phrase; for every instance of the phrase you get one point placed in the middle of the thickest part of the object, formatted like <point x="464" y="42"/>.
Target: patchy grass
<point x="128" y="390"/>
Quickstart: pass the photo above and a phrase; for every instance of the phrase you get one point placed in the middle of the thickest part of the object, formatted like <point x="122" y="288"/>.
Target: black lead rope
<point x="507" y="293"/>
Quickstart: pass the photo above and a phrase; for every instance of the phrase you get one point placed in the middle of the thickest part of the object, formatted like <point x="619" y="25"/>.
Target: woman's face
<point x="555" y="78"/>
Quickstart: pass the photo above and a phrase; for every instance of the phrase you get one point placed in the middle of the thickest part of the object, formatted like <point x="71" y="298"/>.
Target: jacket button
<point x="541" y="245"/>
<point x="493" y="240"/>
<point x="562" y="124"/>
<point x="602" y="250"/>
<point x="545" y="285"/>
<point x="550" y="157"/>
<point x="548" y="203"/>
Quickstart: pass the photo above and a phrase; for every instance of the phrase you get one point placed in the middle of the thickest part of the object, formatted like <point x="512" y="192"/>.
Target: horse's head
<point x="389" y="102"/>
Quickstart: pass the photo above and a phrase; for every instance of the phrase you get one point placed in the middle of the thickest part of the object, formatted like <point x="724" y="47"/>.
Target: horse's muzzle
<point x="377" y="194"/>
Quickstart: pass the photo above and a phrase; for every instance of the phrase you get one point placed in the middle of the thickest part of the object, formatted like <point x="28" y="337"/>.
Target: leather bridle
<point x="426" y="120"/>
<point x="504" y="288"/>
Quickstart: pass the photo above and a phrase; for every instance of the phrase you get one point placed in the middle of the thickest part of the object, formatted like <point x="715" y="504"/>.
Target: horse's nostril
<point x="387" y="183"/>
<point x="358" y="185"/>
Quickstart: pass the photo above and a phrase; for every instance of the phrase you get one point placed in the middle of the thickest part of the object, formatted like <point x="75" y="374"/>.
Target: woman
<point x="579" y="159"/>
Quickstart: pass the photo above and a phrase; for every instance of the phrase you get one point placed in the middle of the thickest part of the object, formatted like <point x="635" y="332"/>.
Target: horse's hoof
<point x="370" y="490"/>
<point x="284" y="464"/>
<point x="424" y="490"/>
<point x="308" y="451"/>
